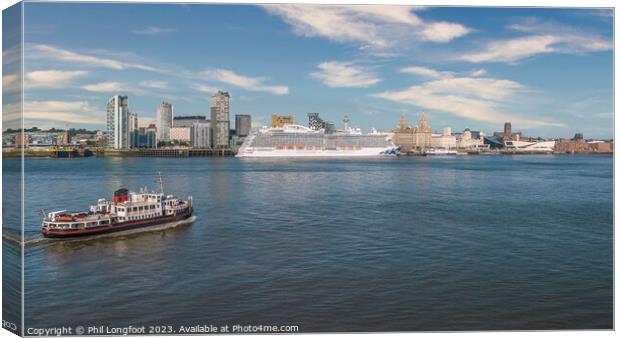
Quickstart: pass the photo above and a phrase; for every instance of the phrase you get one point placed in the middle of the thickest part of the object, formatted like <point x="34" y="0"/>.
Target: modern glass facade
<point x="118" y="122"/>
<point x="220" y="119"/>
<point x="165" y="113"/>
<point x="201" y="135"/>
<point x="243" y="125"/>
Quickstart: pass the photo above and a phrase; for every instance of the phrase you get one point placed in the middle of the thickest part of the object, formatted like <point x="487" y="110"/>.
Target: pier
<point x="172" y="153"/>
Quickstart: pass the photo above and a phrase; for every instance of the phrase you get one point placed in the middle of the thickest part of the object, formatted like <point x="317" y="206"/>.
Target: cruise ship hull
<point x="275" y="153"/>
<point x="130" y="225"/>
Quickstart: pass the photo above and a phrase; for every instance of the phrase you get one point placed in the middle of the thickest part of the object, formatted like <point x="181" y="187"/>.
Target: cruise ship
<point x="294" y="140"/>
<point x="127" y="211"/>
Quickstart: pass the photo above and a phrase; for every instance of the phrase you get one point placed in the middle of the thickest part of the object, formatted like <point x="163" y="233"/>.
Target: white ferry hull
<point x="363" y="152"/>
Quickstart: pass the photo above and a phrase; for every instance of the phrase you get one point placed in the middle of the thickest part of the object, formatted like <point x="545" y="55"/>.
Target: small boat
<point x="127" y="211"/>
<point x="440" y="151"/>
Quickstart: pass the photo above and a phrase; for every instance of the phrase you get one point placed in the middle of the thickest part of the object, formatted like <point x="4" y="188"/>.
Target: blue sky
<point x="548" y="71"/>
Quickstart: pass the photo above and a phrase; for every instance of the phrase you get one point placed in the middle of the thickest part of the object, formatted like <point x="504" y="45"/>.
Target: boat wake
<point x="43" y="240"/>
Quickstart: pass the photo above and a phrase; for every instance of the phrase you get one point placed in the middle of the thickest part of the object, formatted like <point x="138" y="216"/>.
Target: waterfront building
<point x="578" y="136"/>
<point x="278" y="121"/>
<point x="118" y="122"/>
<point x="315" y="122"/>
<point x="165" y="113"/>
<point x="582" y="146"/>
<point x="180" y="134"/>
<point x="151" y="136"/>
<point x="200" y="136"/>
<point x="444" y="141"/>
<point x="416" y="138"/>
<point x="243" y="125"/>
<point x="188" y="121"/>
<point x="22" y="140"/>
<point x="537" y="146"/>
<point x="220" y="119"/>
<point x="468" y="139"/>
<point x="66" y="138"/>
<point x="134" y="137"/>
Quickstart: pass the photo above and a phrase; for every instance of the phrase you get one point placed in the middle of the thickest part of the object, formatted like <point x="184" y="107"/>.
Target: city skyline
<point x="546" y="70"/>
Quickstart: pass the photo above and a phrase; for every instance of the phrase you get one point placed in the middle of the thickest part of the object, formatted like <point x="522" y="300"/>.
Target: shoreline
<point x="186" y="153"/>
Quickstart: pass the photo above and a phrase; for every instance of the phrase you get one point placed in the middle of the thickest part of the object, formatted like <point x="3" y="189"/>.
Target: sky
<point x="549" y="71"/>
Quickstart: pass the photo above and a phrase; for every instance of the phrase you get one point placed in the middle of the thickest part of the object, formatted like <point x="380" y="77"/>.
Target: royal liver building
<point x="416" y="138"/>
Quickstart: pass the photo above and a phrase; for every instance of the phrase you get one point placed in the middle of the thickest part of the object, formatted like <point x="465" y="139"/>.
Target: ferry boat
<point x="127" y="211"/>
<point x="293" y="140"/>
<point x="440" y="152"/>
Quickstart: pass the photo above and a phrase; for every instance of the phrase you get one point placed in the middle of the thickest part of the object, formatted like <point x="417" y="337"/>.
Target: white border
<point x="470" y="3"/>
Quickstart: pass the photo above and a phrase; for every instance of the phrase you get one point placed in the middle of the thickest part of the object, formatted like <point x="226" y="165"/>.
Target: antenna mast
<point x="161" y="183"/>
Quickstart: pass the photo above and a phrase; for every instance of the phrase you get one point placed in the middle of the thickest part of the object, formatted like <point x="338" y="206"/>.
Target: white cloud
<point x="514" y="49"/>
<point x="40" y="51"/>
<point x="152" y="30"/>
<point x="426" y="72"/>
<point x="106" y="87"/>
<point x="11" y="82"/>
<point x="478" y="72"/>
<point x="155" y="84"/>
<point x="205" y="88"/>
<point x="11" y="113"/>
<point x="469" y="97"/>
<point x="545" y="37"/>
<point x="374" y="26"/>
<point x="443" y="31"/>
<point x="52" y="78"/>
<point x="248" y="83"/>
<point x="79" y="112"/>
<point x="344" y="74"/>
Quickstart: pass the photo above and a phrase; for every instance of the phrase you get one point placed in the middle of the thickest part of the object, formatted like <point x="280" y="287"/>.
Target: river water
<point x="398" y="244"/>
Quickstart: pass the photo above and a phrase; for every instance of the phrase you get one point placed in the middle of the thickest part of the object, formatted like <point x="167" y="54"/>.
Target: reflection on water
<point x="329" y="245"/>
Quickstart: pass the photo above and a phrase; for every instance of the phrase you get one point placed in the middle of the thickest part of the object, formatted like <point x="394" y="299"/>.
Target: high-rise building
<point x="134" y="137"/>
<point x="243" y="125"/>
<point x="165" y="113"/>
<point x="118" y="122"/>
<point x="141" y="137"/>
<point x="151" y="136"/>
<point x="201" y="135"/>
<point x="278" y="121"/>
<point x="220" y="119"/>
